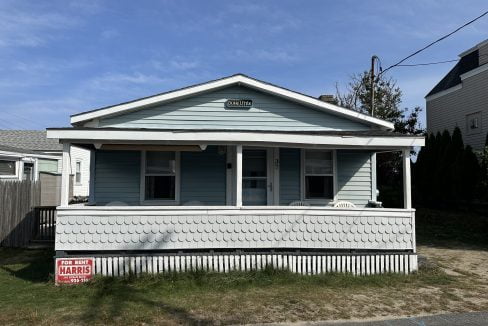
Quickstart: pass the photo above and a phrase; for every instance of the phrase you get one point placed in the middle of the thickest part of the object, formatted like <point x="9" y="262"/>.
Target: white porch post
<point x="65" y="174"/>
<point x="374" y="178"/>
<point x="91" y="184"/>
<point x="407" y="180"/>
<point x="238" y="182"/>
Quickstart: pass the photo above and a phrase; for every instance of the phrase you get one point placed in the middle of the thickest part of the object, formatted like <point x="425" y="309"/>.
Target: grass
<point x="28" y="294"/>
<point x="452" y="227"/>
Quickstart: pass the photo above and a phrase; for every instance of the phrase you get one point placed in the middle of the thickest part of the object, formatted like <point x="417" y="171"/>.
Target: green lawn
<point x="452" y="228"/>
<point x="28" y="295"/>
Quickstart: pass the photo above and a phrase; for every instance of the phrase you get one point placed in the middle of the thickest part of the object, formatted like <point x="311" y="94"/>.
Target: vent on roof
<point x="328" y="98"/>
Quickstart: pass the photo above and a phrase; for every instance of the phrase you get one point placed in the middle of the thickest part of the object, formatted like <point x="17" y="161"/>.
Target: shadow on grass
<point x="453" y="229"/>
<point x="115" y="297"/>
<point x="37" y="265"/>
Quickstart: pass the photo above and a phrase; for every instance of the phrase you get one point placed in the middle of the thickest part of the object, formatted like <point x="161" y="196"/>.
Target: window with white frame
<point x="160" y="176"/>
<point x="473" y="123"/>
<point x="7" y="168"/>
<point x="78" y="172"/>
<point x="318" y="175"/>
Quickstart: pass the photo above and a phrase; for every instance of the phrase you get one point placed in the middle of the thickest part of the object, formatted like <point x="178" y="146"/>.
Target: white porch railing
<point x="145" y="228"/>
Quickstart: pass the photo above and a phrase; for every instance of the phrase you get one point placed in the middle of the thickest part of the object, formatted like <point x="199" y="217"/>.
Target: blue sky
<point x="59" y="57"/>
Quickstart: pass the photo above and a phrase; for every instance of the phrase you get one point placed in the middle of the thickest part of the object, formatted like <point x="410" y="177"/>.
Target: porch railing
<point x="45" y="223"/>
<point x="123" y="228"/>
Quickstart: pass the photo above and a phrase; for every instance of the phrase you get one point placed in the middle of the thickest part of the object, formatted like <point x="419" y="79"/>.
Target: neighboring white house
<point x="80" y="169"/>
<point x="460" y="99"/>
<point x="21" y="164"/>
<point x="25" y="154"/>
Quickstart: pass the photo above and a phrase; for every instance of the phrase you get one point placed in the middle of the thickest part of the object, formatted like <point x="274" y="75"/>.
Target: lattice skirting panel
<point x="307" y="264"/>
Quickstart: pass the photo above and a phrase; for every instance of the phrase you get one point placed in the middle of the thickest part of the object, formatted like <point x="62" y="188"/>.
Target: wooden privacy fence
<point x="17" y="214"/>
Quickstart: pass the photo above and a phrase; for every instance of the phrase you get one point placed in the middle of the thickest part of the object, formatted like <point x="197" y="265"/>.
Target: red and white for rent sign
<point x="73" y="270"/>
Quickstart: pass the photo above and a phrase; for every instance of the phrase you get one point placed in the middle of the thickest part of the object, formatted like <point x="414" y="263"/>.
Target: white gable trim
<point x="239" y="80"/>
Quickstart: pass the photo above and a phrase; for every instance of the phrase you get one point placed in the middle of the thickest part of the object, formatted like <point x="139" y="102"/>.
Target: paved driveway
<point x="468" y="319"/>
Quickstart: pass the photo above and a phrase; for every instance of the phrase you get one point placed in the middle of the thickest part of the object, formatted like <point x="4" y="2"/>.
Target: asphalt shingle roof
<point x="31" y="140"/>
<point x="453" y="77"/>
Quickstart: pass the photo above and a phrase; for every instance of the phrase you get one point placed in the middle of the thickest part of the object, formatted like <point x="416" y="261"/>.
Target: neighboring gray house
<point x="461" y="98"/>
<point x="234" y="173"/>
<point x="29" y="154"/>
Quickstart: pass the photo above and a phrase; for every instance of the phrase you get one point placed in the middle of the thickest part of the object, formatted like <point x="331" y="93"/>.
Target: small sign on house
<point x="73" y="270"/>
<point x="238" y="104"/>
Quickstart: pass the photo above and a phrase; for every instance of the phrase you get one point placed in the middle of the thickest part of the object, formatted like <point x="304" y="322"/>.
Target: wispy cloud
<point x="87" y="6"/>
<point x="29" y="28"/>
<point x="109" y="34"/>
<point x="117" y="80"/>
<point x="261" y="55"/>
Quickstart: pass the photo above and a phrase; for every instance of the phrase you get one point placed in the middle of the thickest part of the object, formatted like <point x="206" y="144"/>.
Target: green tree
<point x="387" y="103"/>
<point x="484" y="170"/>
<point x="387" y="106"/>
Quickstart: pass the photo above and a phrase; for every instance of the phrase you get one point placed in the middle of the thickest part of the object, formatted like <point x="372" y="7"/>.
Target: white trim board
<point x="444" y="92"/>
<point x="248" y="138"/>
<point x="80" y="210"/>
<point x="474" y="72"/>
<point x="225" y="82"/>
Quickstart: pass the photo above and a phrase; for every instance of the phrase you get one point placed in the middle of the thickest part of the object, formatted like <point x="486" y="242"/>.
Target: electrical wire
<point x="434" y="42"/>
<point x="427" y="64"/>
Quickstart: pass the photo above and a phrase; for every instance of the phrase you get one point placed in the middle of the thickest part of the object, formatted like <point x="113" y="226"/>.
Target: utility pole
<point x="373" y="58"/>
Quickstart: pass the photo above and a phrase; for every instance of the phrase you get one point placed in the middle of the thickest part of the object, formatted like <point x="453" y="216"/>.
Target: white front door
<point x="257" y="176"/>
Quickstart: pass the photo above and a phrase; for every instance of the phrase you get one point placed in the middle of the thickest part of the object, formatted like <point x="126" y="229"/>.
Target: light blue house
<point x="235" y="173"/>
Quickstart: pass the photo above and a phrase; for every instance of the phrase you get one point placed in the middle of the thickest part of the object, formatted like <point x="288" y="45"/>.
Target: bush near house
<point x="448" y="174"/>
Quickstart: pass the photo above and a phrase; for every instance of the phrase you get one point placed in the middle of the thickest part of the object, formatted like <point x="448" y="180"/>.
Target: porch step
<point x="40" y="244"/>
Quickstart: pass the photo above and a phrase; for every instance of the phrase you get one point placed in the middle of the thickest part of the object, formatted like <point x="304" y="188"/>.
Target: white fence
<point x="306" y="264"/>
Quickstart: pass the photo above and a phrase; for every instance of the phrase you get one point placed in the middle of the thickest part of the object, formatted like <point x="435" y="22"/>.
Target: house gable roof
<point x="239" y="79"/>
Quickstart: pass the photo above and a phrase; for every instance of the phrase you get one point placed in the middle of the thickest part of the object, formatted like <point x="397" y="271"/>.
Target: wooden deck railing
<point x="45" y="223"/>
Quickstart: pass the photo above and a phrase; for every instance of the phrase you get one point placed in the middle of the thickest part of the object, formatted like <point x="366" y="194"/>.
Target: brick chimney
<point x="328" y="98"/>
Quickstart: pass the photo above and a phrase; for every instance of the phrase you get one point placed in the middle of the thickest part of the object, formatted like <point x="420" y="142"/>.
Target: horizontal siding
<point x="289" y="175"/>
<point x="203" y="176"/>
<point x="450" y="110"/>
<point x="354" y="177"/>
<point x="117" y="176"/>
<point x="46" y="165"/>
<point x="207" y="111"/>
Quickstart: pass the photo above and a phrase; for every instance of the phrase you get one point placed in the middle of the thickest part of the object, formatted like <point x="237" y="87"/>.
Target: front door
<point x="257" y="185"/>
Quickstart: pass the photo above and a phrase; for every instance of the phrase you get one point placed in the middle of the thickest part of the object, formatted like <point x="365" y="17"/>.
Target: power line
<point x="427" y="64"/>
<point x="434" y="63"/>
<point x="436" y="41"/>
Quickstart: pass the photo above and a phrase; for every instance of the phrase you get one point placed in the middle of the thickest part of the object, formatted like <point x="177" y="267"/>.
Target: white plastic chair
<point x="344" y="204"/>
<point x="299" y="203"/>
